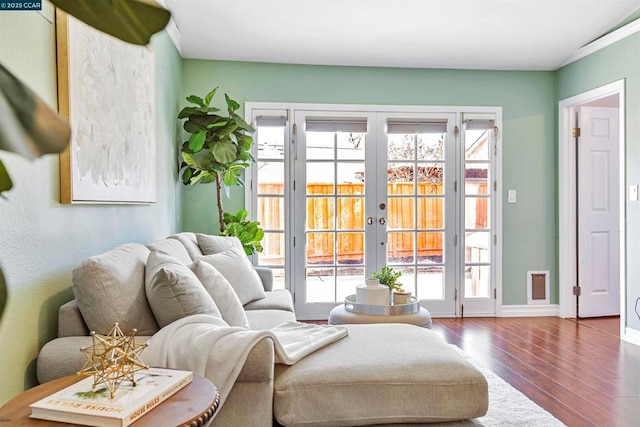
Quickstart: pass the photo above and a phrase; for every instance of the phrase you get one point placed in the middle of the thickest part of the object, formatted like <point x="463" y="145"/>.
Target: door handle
<point x="370" y="220"/>
<point x="382" y="221"/>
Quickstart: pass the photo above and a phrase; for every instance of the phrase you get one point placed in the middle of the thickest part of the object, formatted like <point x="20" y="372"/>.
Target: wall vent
<point x="538" y="287"/>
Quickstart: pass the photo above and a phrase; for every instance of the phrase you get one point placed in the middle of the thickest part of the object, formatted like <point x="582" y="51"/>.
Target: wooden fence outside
<point x="349" y="222"/>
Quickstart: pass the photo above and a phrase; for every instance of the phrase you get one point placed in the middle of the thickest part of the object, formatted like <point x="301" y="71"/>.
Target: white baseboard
<point x="632" y="336"/>
<point x="534" y="310"/>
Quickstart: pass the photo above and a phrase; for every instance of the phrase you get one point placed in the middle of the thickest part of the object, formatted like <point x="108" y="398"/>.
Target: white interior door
<point x="598" y="212"/>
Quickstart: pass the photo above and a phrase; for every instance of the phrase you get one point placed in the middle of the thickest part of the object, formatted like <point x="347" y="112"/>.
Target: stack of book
<point x="80" y="403"/>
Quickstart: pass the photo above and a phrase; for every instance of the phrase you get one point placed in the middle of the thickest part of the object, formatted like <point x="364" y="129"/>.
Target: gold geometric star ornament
<point x="113" y="358"/>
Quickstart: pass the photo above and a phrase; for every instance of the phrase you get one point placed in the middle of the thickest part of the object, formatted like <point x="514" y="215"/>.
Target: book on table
<point x="80" y="403"/>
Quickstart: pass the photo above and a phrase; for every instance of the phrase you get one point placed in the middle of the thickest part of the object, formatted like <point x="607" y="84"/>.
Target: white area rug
<point x="507" y="406"/>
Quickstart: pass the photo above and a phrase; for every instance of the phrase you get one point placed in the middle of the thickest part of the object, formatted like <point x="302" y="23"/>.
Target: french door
<point x="365" y="189"/>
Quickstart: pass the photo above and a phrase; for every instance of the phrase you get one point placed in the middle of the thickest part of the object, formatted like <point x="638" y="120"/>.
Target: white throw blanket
<point x="205" y="345"/>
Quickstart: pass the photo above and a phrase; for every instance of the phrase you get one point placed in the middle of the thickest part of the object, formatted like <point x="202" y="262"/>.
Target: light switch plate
<point x="511" y="196"/>
<point x="633" y="192"/>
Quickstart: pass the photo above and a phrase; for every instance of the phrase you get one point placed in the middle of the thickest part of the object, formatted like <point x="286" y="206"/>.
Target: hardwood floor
<point x="578" y="370"/>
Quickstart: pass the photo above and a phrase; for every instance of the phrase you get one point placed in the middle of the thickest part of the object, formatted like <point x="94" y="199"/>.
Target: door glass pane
<point x="430" y="213"/>
<point x="430" y="283"/>
<point x="270" y="142"/>
<point x="400" y="248"/>
<point x="430" y="147"/>
<point x="350" y="145"/>
<point x="476" y="178"/>
<point x="320" y="145"/>
<point x="476" y="145"/>
<point x="320" y="285"/>
<point x="476" y="281"/>
<point x="271" y="213"/>
<point x="350" y="248"/>
<point x="400" y="213"/>
<point x="476" y="212"/>
<point x="350" y="178"/>
<point x="400" y="178"/>
<point x="430" y="178"/>
<point x="348" y="279"/>
<point x="350" y="213"/>
<point x="476" y="246"/>
<point x="273" y="249"/>
<point x="278" y="278"/>
<point x="270" y="178"/>
<point x="320" y="213"/>
<point x="320" y="178"/>
<point x="408" y="278"/>
<point x="400" y="147"/>
<point x="430" y="248"/>
<point x="320" y="248"/>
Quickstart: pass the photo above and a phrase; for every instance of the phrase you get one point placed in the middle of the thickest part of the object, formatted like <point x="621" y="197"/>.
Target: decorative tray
<point x="350" y="304"/>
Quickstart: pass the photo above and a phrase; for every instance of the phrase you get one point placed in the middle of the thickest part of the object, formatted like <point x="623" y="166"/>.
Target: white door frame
<point x="567" y="210"/>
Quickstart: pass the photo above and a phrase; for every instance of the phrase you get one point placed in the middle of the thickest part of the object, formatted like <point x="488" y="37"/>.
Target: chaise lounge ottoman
<point x="380" y="374"/>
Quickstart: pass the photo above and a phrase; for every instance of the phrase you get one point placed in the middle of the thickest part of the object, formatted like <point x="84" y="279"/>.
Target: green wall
<point x="529" y="157"/>
<point x="41" y="240"/>
<point x="618" y="61"/>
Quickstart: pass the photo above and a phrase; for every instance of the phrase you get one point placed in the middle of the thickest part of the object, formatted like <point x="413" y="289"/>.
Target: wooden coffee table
<point x="194" y="405"/>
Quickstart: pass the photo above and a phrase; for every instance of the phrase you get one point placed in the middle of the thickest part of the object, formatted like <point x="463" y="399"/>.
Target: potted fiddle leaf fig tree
<point x="218" y="151"/>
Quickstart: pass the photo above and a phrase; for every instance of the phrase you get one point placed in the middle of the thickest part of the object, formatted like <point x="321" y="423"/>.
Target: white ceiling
<point x="467" y="34"/>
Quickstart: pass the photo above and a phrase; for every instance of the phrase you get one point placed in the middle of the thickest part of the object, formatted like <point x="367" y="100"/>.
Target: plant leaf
<point x="209" y="97"/>
<point x="232" y="105"/>
<point x="229" y="178"/>
<point x="224" y="152"/>
<point x="196" y="142"/>
<point x="188" y="159"/>
<point x="133" y="21"/>
<point x="5" y="179"/>
<point x="194" y="99"/>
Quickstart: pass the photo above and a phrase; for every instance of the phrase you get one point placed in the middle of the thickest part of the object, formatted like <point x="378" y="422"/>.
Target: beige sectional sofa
<point x="379" y="374"/>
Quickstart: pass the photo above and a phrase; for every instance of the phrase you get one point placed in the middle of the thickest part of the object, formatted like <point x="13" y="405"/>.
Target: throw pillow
<point x="236" y="268"/>
<point x="215" y="244"/>
<point x="110" y="288"/>
<point x="222" y="293"/>
<point x="174" y="291"/>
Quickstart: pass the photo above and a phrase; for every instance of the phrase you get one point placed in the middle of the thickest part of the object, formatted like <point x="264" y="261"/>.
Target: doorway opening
<point x="591" y="187"/>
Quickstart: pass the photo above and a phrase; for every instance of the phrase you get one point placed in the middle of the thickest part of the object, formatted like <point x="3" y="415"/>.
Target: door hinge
<point x="461" y="310"/>
<point x="455" y="240"/>
<point x="575" y="132"/>
<point x="495" y="239"/>
<point x="455" y="185"/>
<point x="455" y="295"/>
<point x="495" y="294"/>
<point x="456" y="131"/>
<point x="294" y="297"/>
<point x="251" y="185"/>
<point x="495" y="185"/>
<point x="294" y="185"/>
<point x="294" y="242"/>
<point x="294" y="137"/>
<point x="577" y="290"/>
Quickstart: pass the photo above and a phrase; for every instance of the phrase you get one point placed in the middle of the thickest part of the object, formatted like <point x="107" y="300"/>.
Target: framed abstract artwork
<point x="106" y="89"/>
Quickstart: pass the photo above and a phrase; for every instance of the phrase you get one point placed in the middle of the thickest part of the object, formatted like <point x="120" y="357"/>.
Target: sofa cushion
<point x="380" y="374"/>
<point x="189" y="242"/>
<point x="174" y="291"/>
<point x="280" y="299"/>
<point x="110" y="288"/>
<point x="215" y="244"/>
<point x="222" y="293"/>
<point x="173" y="248"/>
<point x="236" y="268"/>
